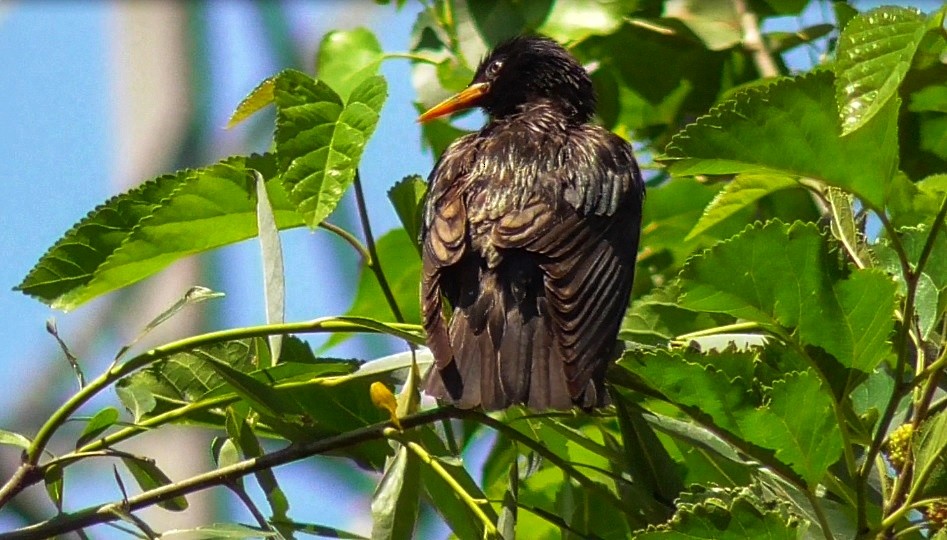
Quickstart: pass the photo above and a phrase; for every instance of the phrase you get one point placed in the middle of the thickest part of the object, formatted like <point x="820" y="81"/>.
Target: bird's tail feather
<point x="502" y="352"/>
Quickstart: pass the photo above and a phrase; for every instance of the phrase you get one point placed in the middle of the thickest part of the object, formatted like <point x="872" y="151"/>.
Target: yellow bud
<point x="385" y="400"/>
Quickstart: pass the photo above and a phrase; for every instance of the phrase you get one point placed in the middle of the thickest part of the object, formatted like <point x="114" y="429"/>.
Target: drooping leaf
<point x="737" y="194"/>
<point x="14" y="439"/>
<point x="407" y="197"/>
<point x="874" y="54"/>
<point x="715" y="22"/>
<point x="930" y="457"/>
<point x="397" y="497"/>
<point x="348" y="57"/>
<point x="785" y="275"/>
<point x="240" y="431"/>
<point x="55" y="487"/>
<point x="319" y="140"/>
<point x="149" y="476"/>
<point x="738" y="136"/>
<point x="271" y="251"/>
<point x="100" y="422"/>
<point x="139" y="233"/>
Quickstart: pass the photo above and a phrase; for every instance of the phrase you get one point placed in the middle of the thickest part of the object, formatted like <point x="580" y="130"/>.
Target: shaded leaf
<point x="777" y="274"/>
<point x="407" y="197"/>
<point x="53" y="481"/>
<point x="396" y="499"/>
<point x="737" y="137"/>
<point x="97" y="425"/>
<point x="930" y="466"/>
<point x="715" y="22"/>
<point x="149" y="476"/>
<point x="737" y="194"/>
<point x="874" y="54"/>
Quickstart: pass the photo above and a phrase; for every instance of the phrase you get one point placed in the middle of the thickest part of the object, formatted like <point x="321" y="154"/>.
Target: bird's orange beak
<point x="465" y="99"/>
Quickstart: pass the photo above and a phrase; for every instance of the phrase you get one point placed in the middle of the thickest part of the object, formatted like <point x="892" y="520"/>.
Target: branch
<point x="26" y="474"/>
<point x="107" y="512"/>
<point x="753" y="40"/>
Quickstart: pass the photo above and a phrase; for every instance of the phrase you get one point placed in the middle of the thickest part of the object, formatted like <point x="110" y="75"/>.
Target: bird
<point x="529" y="238"/>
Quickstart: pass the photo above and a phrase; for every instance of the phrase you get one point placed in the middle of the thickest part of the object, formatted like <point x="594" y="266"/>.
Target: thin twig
<point x="27" y="473"/>
<point x="753" y="40"/>
<point x="348" y="237"/>
<point x="374" y="263"/>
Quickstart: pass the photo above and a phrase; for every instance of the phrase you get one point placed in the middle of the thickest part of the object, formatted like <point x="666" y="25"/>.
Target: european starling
<point x="530" y="234"/>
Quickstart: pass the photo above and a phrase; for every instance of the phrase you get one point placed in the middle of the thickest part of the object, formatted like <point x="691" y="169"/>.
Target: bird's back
<point x="530" y="234"/>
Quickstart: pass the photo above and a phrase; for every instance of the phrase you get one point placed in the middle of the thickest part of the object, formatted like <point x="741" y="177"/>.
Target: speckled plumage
<point x="530" y="234"/>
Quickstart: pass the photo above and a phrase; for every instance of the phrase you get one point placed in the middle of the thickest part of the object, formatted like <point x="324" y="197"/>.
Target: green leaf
<point x="259" y="97"/>
<point x="498" y="20"/>
<point x="240" y="431"/>
<point x="220" y="531"/>
<point x="657" y="318"/>
<point x="149" y="476"/>
<point x="407" y="197"/>
<point x="780" y="42"/>
<point x="397" y="497"/>
<point x="320" y="141"/>
<point x="575" y="20"/>
<point x="737" y="194"/>
<point x="783" y="275"/>
<point x="348" y="57"/>
<point x="318" y="530"/>
<point x="716" y="518"/>
<point x="724" y="388"/>
<point x="738" y="136"/>
<point x="506" y="524"/>
<point x="874" y="54"/>
<point x="461" y="519"/>
<point x="271" y="251"/>
<point x="715" y="22"/>
<point x="100" y="422"/>
<point x="644" y="457"/>
<point x="139" y="233"/>
<point x="806" y="438"/>
<point x="14" y="439"/>
<point x="930" y="466"/>
<point x="55" y="487"/>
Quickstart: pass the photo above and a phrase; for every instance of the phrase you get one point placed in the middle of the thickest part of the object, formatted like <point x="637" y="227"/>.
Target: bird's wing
<point x="587" y="240"/>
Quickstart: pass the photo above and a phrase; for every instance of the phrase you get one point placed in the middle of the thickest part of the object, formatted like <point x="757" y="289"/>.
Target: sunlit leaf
<point x="874" y="54"/>
<point x="149" y="477"/>
<point x="14" y="439"/>
<point x="716" y="518"/>
<point x="259" y="97"/>
<point x="319" y="140"/>
<point x="271" y="251"/>
<point x="141" y="232"/>
<point x="348" y="57"/>
<point x="738" y="136"/>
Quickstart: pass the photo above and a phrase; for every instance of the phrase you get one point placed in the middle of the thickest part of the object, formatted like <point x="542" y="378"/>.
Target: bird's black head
<point x="523" y="71"/>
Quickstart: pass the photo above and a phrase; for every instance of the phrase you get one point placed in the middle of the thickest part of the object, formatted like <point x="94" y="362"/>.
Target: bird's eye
<point x="494" y="67"/>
